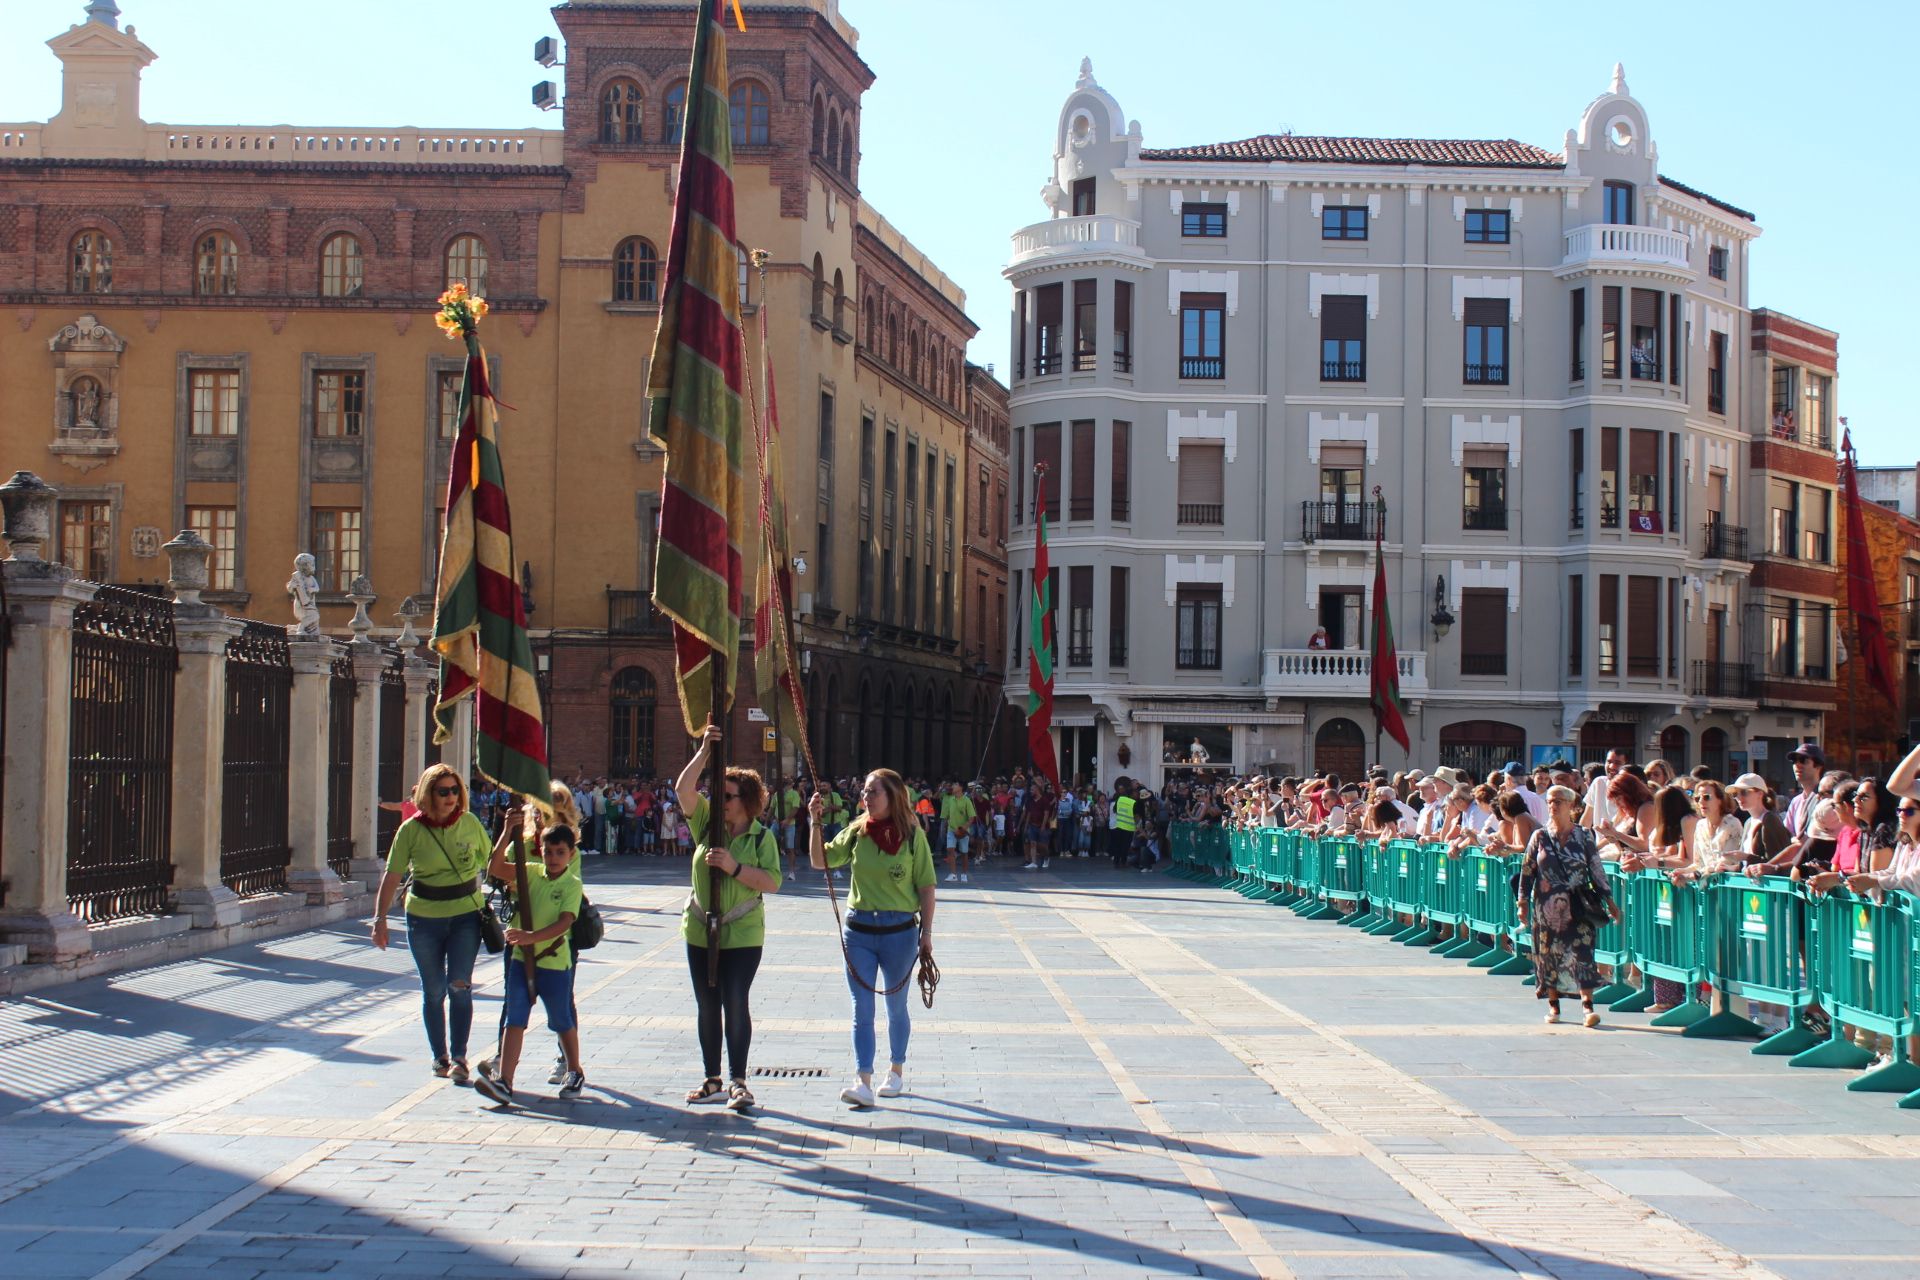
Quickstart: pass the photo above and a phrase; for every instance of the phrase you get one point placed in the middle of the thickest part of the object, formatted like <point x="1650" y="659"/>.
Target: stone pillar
<point x="457" y="751"/>
<point x="418" y="674"/>
<point x="369" y="660"/>
<point x="200" y="633"/>
<point x="307" y="770"/>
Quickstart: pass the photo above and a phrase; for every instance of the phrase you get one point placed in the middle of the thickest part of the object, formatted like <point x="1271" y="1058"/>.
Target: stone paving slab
<point x="1122" y="1076"/>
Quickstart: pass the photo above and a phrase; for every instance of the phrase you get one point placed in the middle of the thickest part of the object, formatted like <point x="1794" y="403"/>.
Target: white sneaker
<point x="857" y="1094"/>
<point x="951" y="877"/>
<point x="963" y="877"/>
<point x="893" y="1086"/>
<point x="559" y="1073"/>
<point x="1045" y="863"/>
<point x="1031" y="866"/>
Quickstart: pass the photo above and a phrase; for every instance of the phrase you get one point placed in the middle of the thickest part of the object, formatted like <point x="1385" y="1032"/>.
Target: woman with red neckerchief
<point x="889" y="920"/>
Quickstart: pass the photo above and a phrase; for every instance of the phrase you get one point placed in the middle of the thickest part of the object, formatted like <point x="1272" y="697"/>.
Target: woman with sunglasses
<point x="889" y="921"/>
<point x="750" y="867"/>
<point x="444" y="848"/>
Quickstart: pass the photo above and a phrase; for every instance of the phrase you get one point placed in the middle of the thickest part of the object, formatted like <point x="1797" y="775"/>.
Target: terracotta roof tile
<point x="1477" y="153"/>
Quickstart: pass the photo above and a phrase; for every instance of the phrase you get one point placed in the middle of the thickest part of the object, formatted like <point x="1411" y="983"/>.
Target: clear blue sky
<point x="1799" y="114"/>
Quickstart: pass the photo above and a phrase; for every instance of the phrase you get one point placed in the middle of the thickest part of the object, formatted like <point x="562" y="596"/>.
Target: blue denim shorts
<point x="555" y="989"/>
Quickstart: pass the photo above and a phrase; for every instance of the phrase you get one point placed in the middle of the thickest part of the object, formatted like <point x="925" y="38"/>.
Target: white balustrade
<point x="1095" y="234"/>
<point x="1291" y="672"/>
<point x="1611" y="242"/>
<point x="534" y="147"/>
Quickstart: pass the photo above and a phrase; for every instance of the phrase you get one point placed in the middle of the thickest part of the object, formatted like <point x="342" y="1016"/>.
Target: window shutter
<point x="1343" y="318"/>
<point x="1046" y="450"/>
<point x="1343" y="455"/>
<point x="1646" y="309"/>
<point x="1082" y="471"/>
<point x="1610" y="304"/>
<point x="1484" y="457"/>
<point x="1643" y="452"/>
<point x="1122" y="495"/>
<point x="1643" y="626"/>
<point x="1486" y="311"/>
<point x="1483" y="626"/>
<point x="1203" y="476"/>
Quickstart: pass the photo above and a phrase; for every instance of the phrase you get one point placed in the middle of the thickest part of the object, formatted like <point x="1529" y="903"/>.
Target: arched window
<point x="833" y="139"/>
<point x="819" y="288"/>
<point x="636" y="271"/>
<point x="1481" y="746"/>
<point x="622" y="110"/>
<point x="839" y="300"/>
<point x="867" y="334"/>
<point x="630" y="744"/>
<point x="92" y="259"/>
<point x="674" y="118"/>
<point x="752" y="115"/>
<point x="846" y="147"/>
<point x="819" y="125"/>
<point x="893" y="340"/>
<point x="913" y="356"/>
<point x="216" y="263"/>
<point x="467" y="264"/>
<point x="342" y="268"/>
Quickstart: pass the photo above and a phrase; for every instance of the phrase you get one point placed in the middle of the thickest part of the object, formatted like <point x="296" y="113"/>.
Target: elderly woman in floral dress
<point x="1563" y="888"/>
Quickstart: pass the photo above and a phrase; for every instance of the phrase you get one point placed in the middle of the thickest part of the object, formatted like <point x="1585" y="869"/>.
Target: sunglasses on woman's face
<point x="1907" y="810"/>
<point x="446" y="791"/>
<point x="733" y="795"/>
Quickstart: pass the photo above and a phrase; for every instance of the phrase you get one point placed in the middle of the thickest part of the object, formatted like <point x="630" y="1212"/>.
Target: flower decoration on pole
<point x="460" y="312"/>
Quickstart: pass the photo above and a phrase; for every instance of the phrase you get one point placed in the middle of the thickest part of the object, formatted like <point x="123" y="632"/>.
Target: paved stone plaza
<point x="1124" y="1076"/>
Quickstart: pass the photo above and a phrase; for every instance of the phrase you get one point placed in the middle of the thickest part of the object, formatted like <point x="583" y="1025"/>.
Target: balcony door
<point x="1342" y="489"/>
<point x="1340" y="613"/>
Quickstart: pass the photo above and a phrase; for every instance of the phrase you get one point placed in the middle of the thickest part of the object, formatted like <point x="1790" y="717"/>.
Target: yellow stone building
<point x="227" y="328"/>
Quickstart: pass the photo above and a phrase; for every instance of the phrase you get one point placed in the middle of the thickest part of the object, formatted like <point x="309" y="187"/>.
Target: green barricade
<point x="1666" y="935"/>
<point x="1216" y="853"/>
<point x="1273" y="864"/>
<point x="1407" y="898"/>
<point x="1312" y="883"/>
<point x="1864" y="972"/>
<point x="1376" y="884"/>
<point x="1240" y="850"/>
<point x="1339" y="874"/>
<point x="1443" y="891"/>
<point x="1181" y="851"/>
<point x="1520" y="962"/>
<point x="1287" y="859"/>
<point x="1488" y="911"/>
<point x="1610" y="951"/>
<point x="1756" y="948"/>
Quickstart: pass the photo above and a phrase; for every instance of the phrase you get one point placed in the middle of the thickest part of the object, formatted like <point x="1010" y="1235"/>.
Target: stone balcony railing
<point x="286" y="144"/>
<point x="1292" y="673"/>
<point x="1068" y="239"/>
<point x="1602" y="245"/>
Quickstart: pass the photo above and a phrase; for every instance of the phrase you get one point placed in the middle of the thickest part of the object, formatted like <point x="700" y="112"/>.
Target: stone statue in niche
<point x="86" y="404"/>
<point x="303" y="588"/>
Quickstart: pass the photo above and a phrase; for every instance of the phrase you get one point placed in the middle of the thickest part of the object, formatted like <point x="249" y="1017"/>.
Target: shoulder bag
<point x="493" y="935"/>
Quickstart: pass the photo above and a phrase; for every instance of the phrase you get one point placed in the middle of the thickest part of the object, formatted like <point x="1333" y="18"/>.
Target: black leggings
<point x="737" y="967"/>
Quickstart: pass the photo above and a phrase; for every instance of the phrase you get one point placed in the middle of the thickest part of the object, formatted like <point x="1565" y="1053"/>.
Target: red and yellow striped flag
<point x="479" y="619"/>
<point x="694" y="387"/>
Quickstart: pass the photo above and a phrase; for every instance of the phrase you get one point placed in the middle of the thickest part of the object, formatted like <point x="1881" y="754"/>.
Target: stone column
<point x="200" y="633"/>
<point x="307" y="770"/>
<point x="369" y="660"/>
<point x="418" y="674"/>
<point x="41" y="598"/>
<point x="457" y="751"/>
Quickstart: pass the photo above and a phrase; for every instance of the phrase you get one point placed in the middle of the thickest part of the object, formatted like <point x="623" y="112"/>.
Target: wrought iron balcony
<point x="631" y="613"/>
<point x="1724" y="542"/>
<point x="1342" y="521"/>
<point x="1722" y="680"/>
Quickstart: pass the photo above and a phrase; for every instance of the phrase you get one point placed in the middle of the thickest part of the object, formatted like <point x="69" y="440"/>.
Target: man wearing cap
<point x="1517" y="782"/>
<point x="1807" y="760"/>
<point x="1433" y="813"/>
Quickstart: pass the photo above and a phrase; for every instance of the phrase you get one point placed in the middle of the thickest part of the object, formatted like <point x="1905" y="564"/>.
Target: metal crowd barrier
<point x="1770" y="942"/>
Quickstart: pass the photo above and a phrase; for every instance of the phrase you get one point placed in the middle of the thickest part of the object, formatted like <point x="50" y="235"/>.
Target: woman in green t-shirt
<point x="750" y="868"/>
<point x="893" y="880"/>
<point x="445" y="848"/>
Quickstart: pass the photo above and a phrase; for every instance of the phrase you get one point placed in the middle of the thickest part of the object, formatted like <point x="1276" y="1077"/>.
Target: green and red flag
<point x="773" y="648"/>
<point x="701" y="579"/>
<point x="479" y="617"/>
<point x="1389" y="712"/>
<point x="1040" y="645"/>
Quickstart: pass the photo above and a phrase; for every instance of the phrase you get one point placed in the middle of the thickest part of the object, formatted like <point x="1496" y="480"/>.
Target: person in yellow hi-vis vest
<point x="1123" y="823"/>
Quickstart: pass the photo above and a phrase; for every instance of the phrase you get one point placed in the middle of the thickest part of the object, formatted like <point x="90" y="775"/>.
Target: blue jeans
<point x="882" y="960"/>
<point x="443" y="952"/>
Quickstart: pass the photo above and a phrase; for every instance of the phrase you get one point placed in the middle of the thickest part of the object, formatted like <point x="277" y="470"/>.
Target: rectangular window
<point x="1343" y="222"/>
<point x="339" y="402"/>
<point x="986" y="506"/>
<point x="1645" y="350"/>
<point x="1018" y="466"/>
<point x="1816" y="426"/>
<point x="86" y="538"/>
<point x="1202" y="483"/>
<point x="1643" y="626"/>
<point x="1578" y="370"/>
<point x="1341" y="514"/>
<point x="1816" y="514"/>
<point x="1673" y="628"/>
<point x="1203" y="219"/>
<point x="1783" y="525"/>
<point x="1717" y="262"/>
<point x="1116" y="617"/>
<point x="1085" y="345"/>
<point x="1717" y="373"/>
<point x="1610" y="331"/>
<point x="1197" y="629"/>
<point x="1609" y="624"/>
<point x="1019" y="335"/>
<point x="1486" y="333"/>
<point x="1618" y="206"/>
<point x="336" y="547"/>
<point x="447" y="402"/>
<point x="1780" y="655"/>
<point x="1343" y="338"/>
<point x="1609" y="477"/>
<point x="1577" y="447"/>
<point x="1483" y="632"/>
<point x="220" y="527"/>
<point x="1000" y="630"/>
<point x="1020" y="606"/>
<point x="1484" y="496"/>
<point x="1643" y="481"/>
<point x="1000" y="513"/>
<point x="1120" y="495"/>
<point x="1489" y="226"/>
<point x="1080" y="616"/>
<point x="1123" y="326"/>
<point x="213" y="402"/>
<point x="1816" y="634"/>
<point x="1048" y="300"/>
<point x="1786" y="391"/>
<point x="1083" y="197"/>
<point x="1576" y="624"/>
<point x="1677" y="332"/>
<point x="1080" y="506"/>
<point x="1046" y="453"/>
<point x="1203" y="335"/>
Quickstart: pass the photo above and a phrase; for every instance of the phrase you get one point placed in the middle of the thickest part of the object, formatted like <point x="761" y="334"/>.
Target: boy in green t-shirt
<point x="956" y="816"/>
<point x="553" y="902"/>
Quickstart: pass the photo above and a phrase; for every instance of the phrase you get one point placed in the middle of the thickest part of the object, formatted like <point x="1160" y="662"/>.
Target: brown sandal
<point x="709" y="1091"/>
<point x="739" y="1097"/>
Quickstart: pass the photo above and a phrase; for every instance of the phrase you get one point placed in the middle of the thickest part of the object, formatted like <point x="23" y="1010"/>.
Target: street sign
<point x="770" y="741"/>
<point x="756" y="715"/>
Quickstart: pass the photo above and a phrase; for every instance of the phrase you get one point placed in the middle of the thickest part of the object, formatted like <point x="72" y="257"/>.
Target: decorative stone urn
<point x="29" y="503"/>
<point x="188" y="571"/>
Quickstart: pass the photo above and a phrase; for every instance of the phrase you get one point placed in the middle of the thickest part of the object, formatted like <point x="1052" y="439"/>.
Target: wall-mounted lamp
<point x="1442" y="619"/>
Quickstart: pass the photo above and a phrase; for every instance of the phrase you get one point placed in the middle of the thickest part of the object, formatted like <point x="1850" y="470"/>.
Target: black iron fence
<point x="390" y="781"/>
<point x="341" y="689"/>
<point x="120" y="759"/>
<point x="631" y="613"/>
<point x="254" y="849"/>
<point x="1724" y="541"/>
<point x="1722" y="679"/>
<point x="1342" y="521"/>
